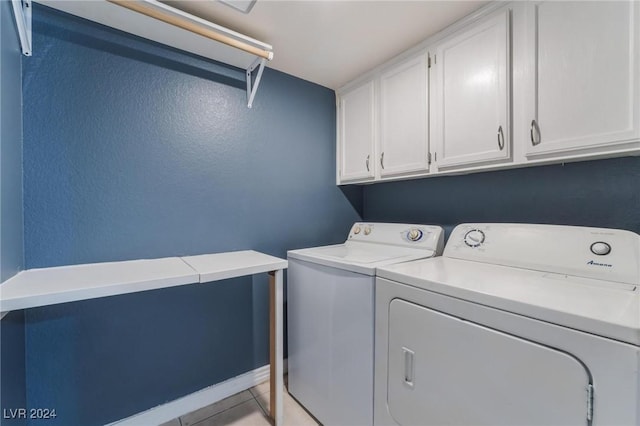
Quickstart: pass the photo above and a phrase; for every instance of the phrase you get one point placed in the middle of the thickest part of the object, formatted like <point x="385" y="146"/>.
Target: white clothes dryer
<point x="330" y="316"/>
<point x="514" y="325"/>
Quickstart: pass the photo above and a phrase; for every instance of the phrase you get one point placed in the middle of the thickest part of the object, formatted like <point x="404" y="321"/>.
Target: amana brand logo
<point x="591" y="262"/>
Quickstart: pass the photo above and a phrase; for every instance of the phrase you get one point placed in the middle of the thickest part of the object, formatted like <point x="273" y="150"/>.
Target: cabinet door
<point x="356" y="138"/>
<point x="472" y="107"/>
<point x="403" y="118"/>
<point x="583" y="90"/>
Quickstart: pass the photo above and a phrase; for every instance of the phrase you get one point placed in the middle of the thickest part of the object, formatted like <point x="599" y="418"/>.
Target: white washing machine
<point x="513" y="325"/>
<point x="330" y="321"/>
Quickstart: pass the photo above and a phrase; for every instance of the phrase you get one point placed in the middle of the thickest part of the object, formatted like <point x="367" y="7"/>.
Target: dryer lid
<point x="606" y="308"/>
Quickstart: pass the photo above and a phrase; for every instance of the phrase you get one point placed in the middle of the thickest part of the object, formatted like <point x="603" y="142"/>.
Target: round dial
<point x="600" y="248"/>
<point x="367" y="230"/>
<point x="474" y="238"/>
<point x="356" y="230"/>
<point x="414" y="234"/>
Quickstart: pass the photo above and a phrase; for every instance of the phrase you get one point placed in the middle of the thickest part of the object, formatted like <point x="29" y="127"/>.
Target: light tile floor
<point x="247" y="408"/>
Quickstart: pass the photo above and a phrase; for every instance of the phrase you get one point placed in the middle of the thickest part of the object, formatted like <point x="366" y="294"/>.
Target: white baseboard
<point x="169" y="411"/>
<point x="181" y="406"/>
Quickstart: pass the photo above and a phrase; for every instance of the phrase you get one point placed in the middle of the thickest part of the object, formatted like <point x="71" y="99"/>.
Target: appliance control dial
<point x="414" y="234"/>
<point x="367" y="230"/>
<point x="600" y="248"/>
<point x="356" y="229"/>
<point x="474" y="238"/>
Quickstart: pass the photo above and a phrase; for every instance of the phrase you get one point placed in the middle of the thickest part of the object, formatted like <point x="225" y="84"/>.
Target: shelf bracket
<point x="22" y="13"/>
<point x="252" y="84"/>
<point x="2" y="314"/>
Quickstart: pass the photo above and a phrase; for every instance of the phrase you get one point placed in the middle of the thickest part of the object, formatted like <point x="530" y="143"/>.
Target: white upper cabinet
<point x="356" y="133"/>
<point x="515" y="84"/>
<point x="583" y="88"/>
<point x="404" y="118"/>
<point x="471" y="106"/>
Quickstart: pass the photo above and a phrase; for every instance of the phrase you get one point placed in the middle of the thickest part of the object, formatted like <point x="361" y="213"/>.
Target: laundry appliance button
<point x="600" y="248"/>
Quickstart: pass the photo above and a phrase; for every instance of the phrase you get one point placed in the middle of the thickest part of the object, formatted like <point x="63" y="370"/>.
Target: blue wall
<point x="12" y="368"/>
<point x="134" y="150"/>
<point x="603" y="193"/>
<point x="12" y="349"/>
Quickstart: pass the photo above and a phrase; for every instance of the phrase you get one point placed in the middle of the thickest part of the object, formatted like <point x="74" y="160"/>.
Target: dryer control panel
<point x="598" y="253"/>
<point x="399" y="234"/>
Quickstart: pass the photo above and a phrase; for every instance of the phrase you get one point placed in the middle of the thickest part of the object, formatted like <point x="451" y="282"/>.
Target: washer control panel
<point x="598" y="253"/>
<point x="399" y="234"/>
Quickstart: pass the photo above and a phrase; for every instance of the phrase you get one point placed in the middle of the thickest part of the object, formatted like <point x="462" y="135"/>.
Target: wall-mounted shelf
<point x="49" y="286"/>
<point x="221" y="266"/>
<point x="167" y="25"/>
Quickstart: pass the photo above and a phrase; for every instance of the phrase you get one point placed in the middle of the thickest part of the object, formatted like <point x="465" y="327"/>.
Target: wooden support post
<point x="272" y="343"/>
<point x="276" y="285"/>
<point x="276" y="374"/>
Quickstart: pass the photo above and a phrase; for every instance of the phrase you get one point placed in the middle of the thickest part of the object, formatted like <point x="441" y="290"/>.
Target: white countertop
<point x="220" y="266"/>
<point x="49" y="286"/>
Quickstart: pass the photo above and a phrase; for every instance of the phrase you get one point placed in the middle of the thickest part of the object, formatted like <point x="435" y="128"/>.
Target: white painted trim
<point x="179" y="407"/>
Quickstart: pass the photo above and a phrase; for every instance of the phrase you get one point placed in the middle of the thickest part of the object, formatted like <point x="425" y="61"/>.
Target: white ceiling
<point x="328" y="42"/>
<point x="332" y="42"/>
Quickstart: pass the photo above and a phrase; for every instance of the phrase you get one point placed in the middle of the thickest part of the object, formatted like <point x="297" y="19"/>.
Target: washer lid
<point x="352" y="253"/>
<point x="605" y="308"/>
<point x="359" y="257"/>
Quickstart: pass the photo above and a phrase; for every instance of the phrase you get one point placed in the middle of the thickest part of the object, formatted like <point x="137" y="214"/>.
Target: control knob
<point x="356" y="230"/>
<point x="367" y="230"/>
<point x="474" y="238"/>
<point x="414" y="234"/>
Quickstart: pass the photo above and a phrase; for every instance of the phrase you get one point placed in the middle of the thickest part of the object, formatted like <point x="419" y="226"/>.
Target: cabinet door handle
<point x="382" y="160"/>
<point x="535" y="140"/>
<point x="500" y="138"/>
<point x="367" y="162"/>
<point x="408" y="366"/>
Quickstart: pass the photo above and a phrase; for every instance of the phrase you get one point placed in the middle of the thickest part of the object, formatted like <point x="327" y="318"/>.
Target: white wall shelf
<point x="49" y="286"/>
<point x="220" y="266"/>
<point x="163" y="23"/>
